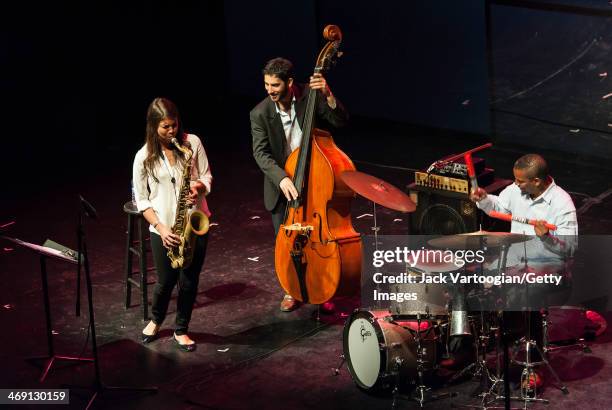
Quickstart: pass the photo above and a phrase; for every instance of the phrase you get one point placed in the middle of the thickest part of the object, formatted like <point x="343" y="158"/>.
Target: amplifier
<point x="445" y="212"/>
<point x="441" y="182"/>
<point x="446" y="183"/>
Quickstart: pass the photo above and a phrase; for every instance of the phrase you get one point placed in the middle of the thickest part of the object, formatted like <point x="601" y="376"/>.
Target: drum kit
<point x="403" y="347"/>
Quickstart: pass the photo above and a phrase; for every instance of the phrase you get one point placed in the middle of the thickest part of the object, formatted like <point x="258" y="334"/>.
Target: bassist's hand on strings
<point x="289" y="190"/>
<point x="318" y="82"/>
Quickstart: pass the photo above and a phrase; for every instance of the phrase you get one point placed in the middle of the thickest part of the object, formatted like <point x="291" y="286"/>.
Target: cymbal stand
<point x="491" y="393"/>
<point x="375" y="228"/>
<point x="501" y="376"/>
<point x="529" y="394"/>
<point x="479" y="367"/>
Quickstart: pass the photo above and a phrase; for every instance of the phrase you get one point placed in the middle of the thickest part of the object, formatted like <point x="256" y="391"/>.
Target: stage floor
<point x="249" y="354"/>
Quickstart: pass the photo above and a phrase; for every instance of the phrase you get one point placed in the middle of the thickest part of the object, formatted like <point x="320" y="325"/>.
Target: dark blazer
<point x="269" y="139"/>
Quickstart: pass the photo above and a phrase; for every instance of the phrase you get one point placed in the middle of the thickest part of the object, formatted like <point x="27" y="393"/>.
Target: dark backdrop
<point x="77" y="76"/>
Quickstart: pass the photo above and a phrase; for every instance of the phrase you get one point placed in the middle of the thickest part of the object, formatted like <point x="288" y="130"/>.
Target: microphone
<point x="90" y="211"/>
<point x="510" y="218"/>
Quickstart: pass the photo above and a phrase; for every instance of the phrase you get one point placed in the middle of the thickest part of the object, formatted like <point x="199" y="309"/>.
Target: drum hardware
<point x="375" y="228"/>
<point x="460" y="325"/>
<point x="490" y="383"/>
<point x="479" y="367"/>
<point x="422" y="394"/>
<point x="546" y="346"/>
<point x="502" y="366"/>
<point x="379" y="192"/>
<point x="530" y="395"/>
<point x="336" y="370"/>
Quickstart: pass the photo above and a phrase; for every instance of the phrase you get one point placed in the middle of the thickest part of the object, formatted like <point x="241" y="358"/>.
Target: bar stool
<point x="136" y="248"/>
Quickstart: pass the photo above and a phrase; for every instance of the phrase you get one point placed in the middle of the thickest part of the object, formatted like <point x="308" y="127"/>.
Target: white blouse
<point x="162" y="195"/>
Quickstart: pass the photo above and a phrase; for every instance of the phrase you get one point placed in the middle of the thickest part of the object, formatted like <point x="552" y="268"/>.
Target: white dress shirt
<point x="162" y="195"/>
<point x="554" y="206"/>
<point x="293" y="132"/>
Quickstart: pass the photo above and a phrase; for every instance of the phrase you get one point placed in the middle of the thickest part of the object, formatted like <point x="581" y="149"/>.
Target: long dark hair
<point x="159" y="109"/>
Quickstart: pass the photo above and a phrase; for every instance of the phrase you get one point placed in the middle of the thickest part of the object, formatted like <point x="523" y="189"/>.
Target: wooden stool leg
<point x="128" y="261"/>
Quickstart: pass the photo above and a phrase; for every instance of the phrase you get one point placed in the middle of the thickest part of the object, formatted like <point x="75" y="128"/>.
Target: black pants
<point x="167" y="278"/>
<point x="278" y="213"/>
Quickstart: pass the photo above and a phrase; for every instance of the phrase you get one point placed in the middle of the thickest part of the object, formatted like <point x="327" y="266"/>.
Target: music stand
<point x="86" y="209"/>
<point x="65" y="256"/>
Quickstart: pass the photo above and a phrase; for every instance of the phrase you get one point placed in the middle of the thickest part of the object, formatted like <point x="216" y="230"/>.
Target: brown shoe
<point x="289" y="304"/>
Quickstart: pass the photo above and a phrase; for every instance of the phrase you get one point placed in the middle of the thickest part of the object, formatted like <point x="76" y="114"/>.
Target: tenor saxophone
<point x="189" y="223"/>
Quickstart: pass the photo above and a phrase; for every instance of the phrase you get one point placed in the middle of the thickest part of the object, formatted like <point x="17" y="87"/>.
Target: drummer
<point x="535" y="196"/>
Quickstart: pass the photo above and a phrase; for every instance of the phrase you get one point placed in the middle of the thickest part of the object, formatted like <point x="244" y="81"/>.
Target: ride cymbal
<point x="378" y="191"/>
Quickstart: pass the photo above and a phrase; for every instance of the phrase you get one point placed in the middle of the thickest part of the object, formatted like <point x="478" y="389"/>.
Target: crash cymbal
<point x="378" y="191"/>
<point x="472" y="240"/>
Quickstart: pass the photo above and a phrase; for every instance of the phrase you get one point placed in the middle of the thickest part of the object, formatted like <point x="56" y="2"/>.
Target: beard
<point x="280" y="96"/>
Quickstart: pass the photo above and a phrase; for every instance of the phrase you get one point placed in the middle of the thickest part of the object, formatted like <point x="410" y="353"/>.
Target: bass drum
<point x="380" y="353"/>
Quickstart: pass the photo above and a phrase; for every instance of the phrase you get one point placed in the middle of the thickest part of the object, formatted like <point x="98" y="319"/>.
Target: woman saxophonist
<point x="157" y="177"/>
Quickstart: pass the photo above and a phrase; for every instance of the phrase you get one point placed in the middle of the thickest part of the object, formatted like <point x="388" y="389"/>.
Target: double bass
<point x="318" y="252"/>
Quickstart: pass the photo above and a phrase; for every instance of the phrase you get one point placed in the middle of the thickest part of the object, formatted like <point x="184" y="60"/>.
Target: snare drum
<point x="380" y="353"/>
<point x="432" y="299"/>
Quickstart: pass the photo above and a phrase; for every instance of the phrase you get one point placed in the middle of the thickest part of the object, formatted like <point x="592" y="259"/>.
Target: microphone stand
<point x="79" y="234"/>
<point x="98" y="387"/>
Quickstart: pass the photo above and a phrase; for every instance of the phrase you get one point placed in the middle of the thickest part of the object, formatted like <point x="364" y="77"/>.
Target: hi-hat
<point x="378" y="191"/>
<point x="436" y="266"/>
<point x="476" y="240"/>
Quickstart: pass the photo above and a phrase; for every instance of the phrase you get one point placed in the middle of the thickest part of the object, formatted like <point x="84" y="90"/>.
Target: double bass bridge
<point x="299" y="228"/>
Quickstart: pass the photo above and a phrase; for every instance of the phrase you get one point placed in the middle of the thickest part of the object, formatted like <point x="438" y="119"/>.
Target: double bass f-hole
<point x="318" y="217"/>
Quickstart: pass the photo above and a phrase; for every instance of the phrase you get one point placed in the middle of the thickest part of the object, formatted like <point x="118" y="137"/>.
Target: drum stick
<point x="471" y="172"/>
<point x="510" y="218"/>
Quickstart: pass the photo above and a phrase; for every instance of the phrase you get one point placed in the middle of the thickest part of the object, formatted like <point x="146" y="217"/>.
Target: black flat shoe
<point x="149" y="338"/>
<point x="185" y="348"/>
